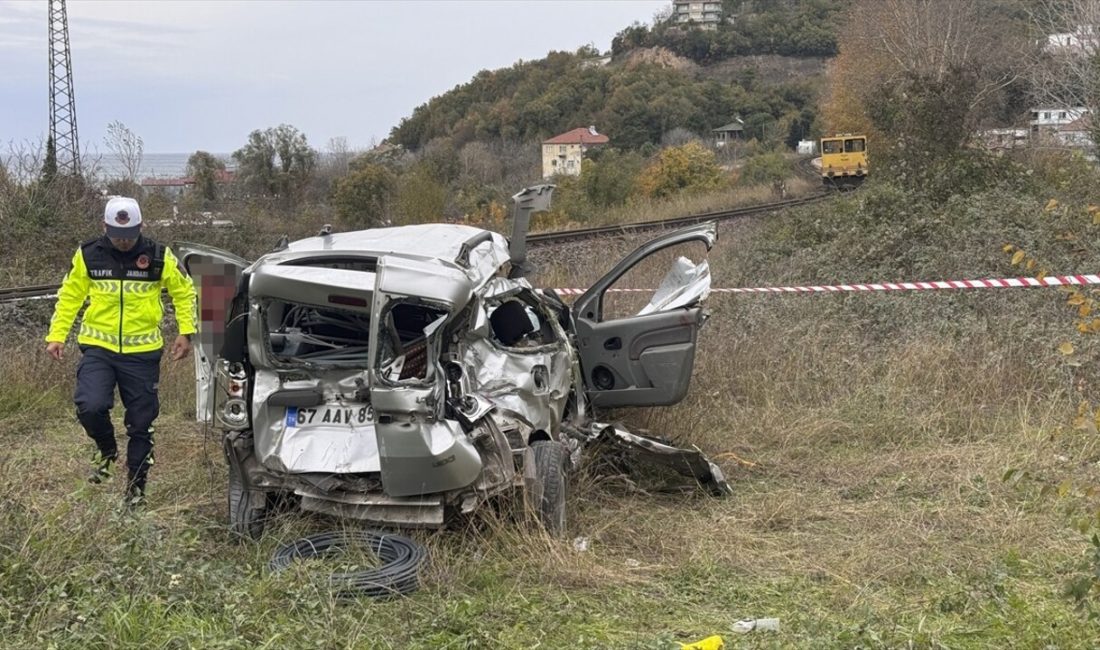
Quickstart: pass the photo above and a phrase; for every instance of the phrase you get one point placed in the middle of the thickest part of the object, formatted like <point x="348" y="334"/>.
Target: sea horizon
<point x="153" y="165"/>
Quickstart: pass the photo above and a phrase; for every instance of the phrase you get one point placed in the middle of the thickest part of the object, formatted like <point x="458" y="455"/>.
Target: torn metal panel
<point x="407" y="277"/>
<point x="535" y="385"/>
<point x="424" y="457"/>
<point x="688" y="462"/>
<point x="522" y="362"/>
<point x="685" y="284"/>
<point x="296" y="438"/>
<point x="418" y="512"/>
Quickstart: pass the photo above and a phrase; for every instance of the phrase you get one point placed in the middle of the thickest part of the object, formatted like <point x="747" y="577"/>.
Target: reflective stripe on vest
<point x="105" y="286"/>
<point x="143" y="339"/>
<point x="97" y="335"/>
<point x="131" y="286"/>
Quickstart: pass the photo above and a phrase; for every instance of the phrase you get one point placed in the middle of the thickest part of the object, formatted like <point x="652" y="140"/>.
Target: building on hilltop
<point x="1047" y="121"/>
<point x="1083" y="41"/>
<point x="562" y="154"/>
<point x="1077" y="134"/>
<point x="1003" y="138"/>
<point x="704" y="14"/>
<point x="723" y="135"/>
<point x="1049" y="127"/>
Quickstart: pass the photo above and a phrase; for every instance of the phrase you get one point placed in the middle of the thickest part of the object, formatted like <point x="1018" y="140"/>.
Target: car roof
<point x="437" y="242"/>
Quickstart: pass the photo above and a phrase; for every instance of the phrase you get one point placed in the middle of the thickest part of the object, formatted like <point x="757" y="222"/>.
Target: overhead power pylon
<point x="62" y="100"/>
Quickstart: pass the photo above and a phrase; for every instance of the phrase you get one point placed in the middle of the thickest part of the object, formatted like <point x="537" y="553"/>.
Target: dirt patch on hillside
<point x="767" y="69"/>
<point x="658" y="56"/>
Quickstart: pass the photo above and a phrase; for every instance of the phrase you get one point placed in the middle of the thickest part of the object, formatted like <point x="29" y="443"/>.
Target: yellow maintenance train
<point x="843" y="161"/>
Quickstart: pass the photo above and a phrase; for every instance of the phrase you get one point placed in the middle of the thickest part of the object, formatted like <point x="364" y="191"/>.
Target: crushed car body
<point x="405" y="375"/>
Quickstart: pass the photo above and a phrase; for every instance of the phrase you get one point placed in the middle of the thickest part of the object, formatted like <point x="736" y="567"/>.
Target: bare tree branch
<point x="127" y="147"/>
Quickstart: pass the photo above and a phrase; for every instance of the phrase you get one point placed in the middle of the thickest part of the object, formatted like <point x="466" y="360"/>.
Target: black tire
<point x="551" y="491"/>
<point x="247" y="507"/>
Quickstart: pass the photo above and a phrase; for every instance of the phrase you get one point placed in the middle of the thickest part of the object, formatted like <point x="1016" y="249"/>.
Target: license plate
<point x="330" y="414"/>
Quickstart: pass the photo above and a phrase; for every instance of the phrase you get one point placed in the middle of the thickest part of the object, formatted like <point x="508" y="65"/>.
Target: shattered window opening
<point x="643" y="282"/>
<point x="300" y="333"/>
<point x="405" y="340"/>
<point x="516" y="323"/>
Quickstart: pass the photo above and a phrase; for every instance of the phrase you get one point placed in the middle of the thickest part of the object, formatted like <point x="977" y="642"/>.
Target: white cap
<point x="123" y="218"/>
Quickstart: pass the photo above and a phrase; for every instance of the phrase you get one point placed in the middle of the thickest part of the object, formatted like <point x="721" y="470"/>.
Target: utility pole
<point x="62" y="101"/>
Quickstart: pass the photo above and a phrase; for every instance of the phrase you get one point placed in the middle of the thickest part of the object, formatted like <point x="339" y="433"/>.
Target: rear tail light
<point x="235" y="414"/>
<point x="231" y="396"/>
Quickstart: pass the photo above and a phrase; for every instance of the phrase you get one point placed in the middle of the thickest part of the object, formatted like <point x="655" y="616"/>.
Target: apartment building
<point x="705" y="14"/>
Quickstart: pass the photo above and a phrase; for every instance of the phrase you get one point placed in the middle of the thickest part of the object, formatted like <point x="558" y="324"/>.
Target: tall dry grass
<point x="865" y="437"/>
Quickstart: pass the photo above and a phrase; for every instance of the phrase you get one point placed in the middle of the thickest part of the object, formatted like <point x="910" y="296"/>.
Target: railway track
<point x="36" y="291"/>
<point x="543" y="238"/>
<point x="548" y="238"/>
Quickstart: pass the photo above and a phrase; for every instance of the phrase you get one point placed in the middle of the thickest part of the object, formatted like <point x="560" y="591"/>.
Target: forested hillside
<point x="639" y="99"/>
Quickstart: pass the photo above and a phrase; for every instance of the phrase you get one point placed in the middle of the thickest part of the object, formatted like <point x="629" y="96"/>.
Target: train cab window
<point x="831" y="146"/>
<point x="853" y="145"/>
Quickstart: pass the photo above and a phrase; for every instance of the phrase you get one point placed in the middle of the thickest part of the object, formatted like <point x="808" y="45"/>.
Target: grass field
<point x="865" y="437"/>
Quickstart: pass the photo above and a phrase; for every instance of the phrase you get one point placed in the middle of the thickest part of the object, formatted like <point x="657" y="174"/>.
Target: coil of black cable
<point x="400" y="557"/>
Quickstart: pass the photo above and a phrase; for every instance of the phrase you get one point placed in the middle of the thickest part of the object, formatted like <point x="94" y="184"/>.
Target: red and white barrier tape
<point x="988" y="283"/>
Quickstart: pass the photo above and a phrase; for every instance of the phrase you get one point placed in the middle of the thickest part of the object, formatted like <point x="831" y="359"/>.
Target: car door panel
<point x="216" y="274"/>
<point x="641" y="360"/>
<point x="419" y="450"/>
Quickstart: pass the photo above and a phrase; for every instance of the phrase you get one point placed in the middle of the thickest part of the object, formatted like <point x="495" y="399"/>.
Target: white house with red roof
<point x="562" y="154"/>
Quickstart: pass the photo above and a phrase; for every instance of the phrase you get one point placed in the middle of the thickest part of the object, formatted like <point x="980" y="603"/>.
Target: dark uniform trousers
<point x="137" y="376"/>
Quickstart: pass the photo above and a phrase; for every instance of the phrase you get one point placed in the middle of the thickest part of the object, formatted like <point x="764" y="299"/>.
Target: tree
<point x="49" y="166"/>
<point x="339" y="154"/>
<point x="801" y="128"/>
<point x="479" y="164"/>
<point x="204" y="168"/>
<point x="440" y="160"/>
<point x="610" y="179"/>
<point x="127" y="147"/>
<point x="1066" y="73"/>
<point x="678" y="136"/>
<point x="420" y="197"/>
<point x="763" y="169"/>
<point x="276" y="162"/>
<point x="363" y="198"/>
<point x="924" y="72"/>
<point x="689" y="167"/>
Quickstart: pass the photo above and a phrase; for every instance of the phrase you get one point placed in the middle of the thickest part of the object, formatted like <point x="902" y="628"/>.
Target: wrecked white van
<point x="408" y="375"/>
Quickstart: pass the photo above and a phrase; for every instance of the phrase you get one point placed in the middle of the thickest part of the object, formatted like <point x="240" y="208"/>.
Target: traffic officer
<point x="121" y="273"/>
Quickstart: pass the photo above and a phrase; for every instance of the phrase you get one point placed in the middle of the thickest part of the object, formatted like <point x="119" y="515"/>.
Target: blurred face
<point x="122" y="244"/>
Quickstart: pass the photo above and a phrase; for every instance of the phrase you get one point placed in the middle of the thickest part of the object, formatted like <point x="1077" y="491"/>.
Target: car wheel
<point x="247" y="507"/>
<point x="549" y="497"/>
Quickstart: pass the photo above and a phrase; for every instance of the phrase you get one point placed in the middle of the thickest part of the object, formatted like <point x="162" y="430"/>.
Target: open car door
<point x="645" y="359"/>
<point x="216" y="274"/>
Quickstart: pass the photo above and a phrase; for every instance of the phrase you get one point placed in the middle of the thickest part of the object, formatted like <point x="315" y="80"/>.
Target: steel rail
<point x="35" y="291"/>
<point x="543" y="238"/>
<point x="546" y="238"/>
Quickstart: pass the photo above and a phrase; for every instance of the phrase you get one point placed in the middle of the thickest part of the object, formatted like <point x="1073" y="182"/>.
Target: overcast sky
<point x="197" y="74"/>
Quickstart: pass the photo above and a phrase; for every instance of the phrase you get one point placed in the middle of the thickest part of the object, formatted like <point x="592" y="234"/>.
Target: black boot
<point x="135" y="493"/>
<point x="101" y="467"/>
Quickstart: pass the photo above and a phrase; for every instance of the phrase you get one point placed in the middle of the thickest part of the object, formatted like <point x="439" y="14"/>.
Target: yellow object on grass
<point x="710" y="643"/>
